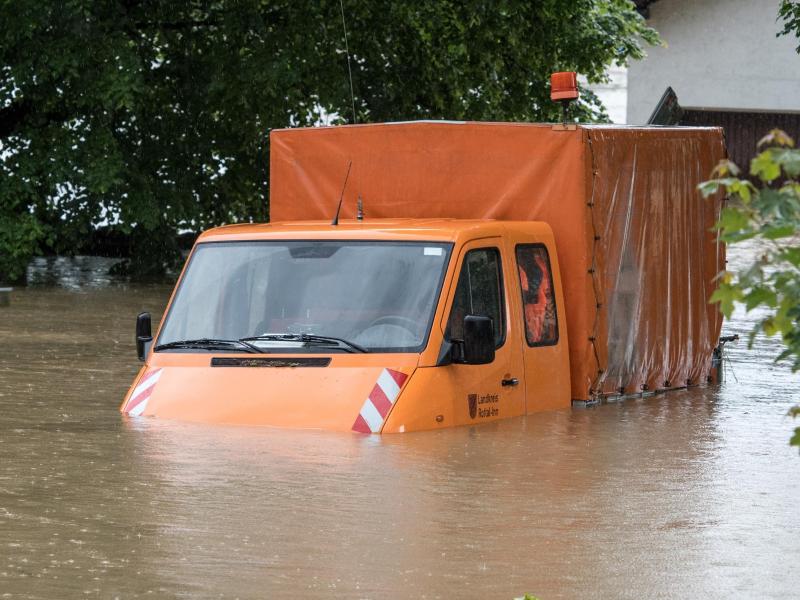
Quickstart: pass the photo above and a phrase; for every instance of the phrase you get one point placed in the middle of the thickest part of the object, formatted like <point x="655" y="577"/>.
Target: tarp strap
<point x="595" y="392"/>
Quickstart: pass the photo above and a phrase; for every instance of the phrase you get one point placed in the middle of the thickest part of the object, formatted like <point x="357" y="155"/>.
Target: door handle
<point x="507" y="382"/>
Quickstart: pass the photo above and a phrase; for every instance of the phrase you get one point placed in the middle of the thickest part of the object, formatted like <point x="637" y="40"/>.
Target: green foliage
<point x="768" y="213"/>
<point x="19" y="235"/>
<point x="789" y="13"/>
<point x="154" y="116"/>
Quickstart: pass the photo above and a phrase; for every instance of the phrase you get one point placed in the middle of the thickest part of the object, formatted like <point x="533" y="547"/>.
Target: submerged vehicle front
<point x="301" y="325"/>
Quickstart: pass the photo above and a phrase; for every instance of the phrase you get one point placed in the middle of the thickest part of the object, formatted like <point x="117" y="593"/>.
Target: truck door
<point x="494" y="390"/>
<point x="542" y="322"/>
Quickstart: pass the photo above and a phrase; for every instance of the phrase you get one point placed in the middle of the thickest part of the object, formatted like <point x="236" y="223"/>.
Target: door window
<point x="479" y="292"/>
<point x="538" y="297"/>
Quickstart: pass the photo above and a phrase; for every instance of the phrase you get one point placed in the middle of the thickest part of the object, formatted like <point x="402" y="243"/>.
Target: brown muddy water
<point x="693" y="494"/>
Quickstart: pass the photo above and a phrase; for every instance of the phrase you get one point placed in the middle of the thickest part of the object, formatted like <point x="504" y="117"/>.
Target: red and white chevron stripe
<point x="140" y="396"/>
<point x="380" y="401"/>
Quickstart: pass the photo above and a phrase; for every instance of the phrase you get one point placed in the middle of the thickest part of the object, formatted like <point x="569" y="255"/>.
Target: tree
<point x="153" y="116"/>
<point x="766" y="207"/>
<point x="789" y="13"/>
<point x="769" y="213"/>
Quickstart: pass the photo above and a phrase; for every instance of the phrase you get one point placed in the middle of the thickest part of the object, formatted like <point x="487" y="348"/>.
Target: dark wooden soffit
<point x="743" y="129"/>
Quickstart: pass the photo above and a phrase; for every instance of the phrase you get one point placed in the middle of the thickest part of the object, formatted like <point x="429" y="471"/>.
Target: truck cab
<point x="371" y="326"/>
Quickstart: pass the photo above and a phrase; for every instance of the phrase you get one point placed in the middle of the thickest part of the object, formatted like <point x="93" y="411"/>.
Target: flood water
<point x="693" y="494"/>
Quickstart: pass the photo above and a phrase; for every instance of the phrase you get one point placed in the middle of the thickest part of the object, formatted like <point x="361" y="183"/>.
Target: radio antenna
<point x="338" y="208"/>
<point x="349" y="71"/>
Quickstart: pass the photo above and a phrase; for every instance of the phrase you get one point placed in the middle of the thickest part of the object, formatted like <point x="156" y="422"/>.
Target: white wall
<point x="721" y="54"/>
<point x="614" y="94"/>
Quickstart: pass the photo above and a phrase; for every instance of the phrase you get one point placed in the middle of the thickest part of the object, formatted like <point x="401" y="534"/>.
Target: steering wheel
<point x="410" y="324"/>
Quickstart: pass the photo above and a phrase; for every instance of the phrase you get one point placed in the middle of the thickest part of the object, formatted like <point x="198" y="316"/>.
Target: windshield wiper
<point x="210" y="344"/>
<point x="307" y="338"/>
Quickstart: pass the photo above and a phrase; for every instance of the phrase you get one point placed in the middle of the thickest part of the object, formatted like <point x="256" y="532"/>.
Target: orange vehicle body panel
<point x="629" y="240"/>
<point x="438" y="397"/>
<point x="546" y="368"/>
<point x="190" y="389"/>
<point x="637" y="252"/>
<point x="297" y="398"/>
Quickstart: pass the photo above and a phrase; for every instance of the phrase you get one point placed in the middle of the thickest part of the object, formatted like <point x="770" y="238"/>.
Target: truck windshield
<point x="379" y="296"/>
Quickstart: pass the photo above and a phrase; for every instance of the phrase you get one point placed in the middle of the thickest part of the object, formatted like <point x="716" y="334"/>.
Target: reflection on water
<point x="691" y="494"/>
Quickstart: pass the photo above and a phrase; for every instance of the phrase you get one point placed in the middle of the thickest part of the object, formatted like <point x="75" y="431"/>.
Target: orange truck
<point x="423" y="275"/>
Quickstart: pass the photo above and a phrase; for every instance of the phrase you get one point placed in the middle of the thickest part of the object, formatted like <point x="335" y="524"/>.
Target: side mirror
<point x="478" y="346"/>
<point x="144" y="334"/>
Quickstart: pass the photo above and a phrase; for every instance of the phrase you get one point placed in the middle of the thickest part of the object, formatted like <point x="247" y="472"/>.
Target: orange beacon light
<point x="564" y="86"/>
<point x="564" y="89"/>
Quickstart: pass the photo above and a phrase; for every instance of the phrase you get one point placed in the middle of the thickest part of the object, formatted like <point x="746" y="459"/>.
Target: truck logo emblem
<point x="473" y="405"/>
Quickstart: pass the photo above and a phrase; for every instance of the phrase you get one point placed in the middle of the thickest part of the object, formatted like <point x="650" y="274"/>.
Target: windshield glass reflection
<point x="378" y="295"/>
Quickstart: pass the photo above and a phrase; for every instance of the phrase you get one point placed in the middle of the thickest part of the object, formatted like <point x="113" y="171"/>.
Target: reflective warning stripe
<point x="371" y="416"/>
<point x="389" y="384"/>
<point x="380" y="401"/>
<point x="140" y="396"/>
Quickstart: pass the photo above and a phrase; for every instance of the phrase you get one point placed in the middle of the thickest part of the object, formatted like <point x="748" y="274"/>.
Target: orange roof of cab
<point x="373" y="229"/>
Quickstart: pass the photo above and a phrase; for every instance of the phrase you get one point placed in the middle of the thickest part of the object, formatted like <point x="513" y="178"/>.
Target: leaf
<point x="764" y="167"/>
<point x="724" y="168"/>
<point x="726" y="295"/>
<point x="708" y="188"/>
<point x="792" y="188"/>
<point x="732" y="219"/>
<point x="769" y="326"/>
<point x="791" y="255"/>
<point x="776" y="137"/>
<point x="789" y="160"/>
<point x="795" y="439"/>
<point x="779" y="231"/>
<point x="760" y="296"/>
<point x="743" y="189"/>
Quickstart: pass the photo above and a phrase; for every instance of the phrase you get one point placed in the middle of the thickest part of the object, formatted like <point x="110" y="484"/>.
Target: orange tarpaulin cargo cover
<point x="634" y="238"/>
